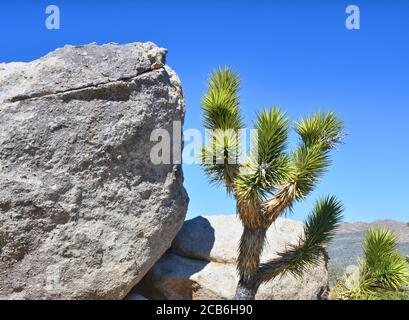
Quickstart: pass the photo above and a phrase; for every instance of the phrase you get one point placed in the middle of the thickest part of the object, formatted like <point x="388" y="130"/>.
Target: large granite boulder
<point x="84" y="213"/>
<point x="201" y="264"/>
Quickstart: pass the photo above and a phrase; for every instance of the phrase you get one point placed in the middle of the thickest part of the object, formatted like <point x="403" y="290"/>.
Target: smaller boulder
<point x="201" y="264"/>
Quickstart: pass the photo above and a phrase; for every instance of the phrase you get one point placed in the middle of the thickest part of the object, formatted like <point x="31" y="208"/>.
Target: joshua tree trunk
<point x="246" y="291"/>
<point x="251" y="247"/>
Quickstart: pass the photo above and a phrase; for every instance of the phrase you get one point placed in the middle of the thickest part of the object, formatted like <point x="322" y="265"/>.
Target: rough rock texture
<point x="84" y="213"/>
<point x="201" y="264"/>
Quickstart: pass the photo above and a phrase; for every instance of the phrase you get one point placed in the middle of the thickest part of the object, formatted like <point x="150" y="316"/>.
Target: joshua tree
<point x="268" y="183"/>
<point x="383" y="272"/>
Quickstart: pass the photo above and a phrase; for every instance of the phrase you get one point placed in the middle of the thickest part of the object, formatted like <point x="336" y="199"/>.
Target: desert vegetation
<point x="383" y="272"/>
<point x="268" y="183"/>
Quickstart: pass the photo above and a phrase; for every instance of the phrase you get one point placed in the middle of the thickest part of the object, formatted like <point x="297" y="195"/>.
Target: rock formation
<point x="84" y="213"/>
<point x="201" y="264"/>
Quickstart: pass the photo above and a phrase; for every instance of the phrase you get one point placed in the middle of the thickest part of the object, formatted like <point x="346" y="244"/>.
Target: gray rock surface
<point x="201" y="264"/>
<point x="84" y="213"/>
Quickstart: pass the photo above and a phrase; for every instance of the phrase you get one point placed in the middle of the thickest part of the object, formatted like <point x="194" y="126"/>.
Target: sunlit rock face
<point x="84" y="213"/>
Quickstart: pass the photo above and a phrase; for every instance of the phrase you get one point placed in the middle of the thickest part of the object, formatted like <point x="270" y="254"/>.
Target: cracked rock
<point x="84" y="213"/>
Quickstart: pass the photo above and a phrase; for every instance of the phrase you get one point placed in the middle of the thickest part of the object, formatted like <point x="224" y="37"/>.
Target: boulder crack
<point x="44" y="94"/>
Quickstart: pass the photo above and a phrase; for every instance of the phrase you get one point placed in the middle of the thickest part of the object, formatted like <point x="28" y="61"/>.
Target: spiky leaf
<point x="221" y="115"/>
<point x="319" y="229"/>
<point x="321" y="128"/>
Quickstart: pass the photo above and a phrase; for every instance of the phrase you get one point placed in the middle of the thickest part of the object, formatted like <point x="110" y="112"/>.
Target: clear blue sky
<point x="294" y="54"/>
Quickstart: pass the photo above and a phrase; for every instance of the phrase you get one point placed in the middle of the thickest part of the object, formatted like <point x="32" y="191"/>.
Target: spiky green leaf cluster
<point x="272" y="135"/>
<point x="383" y="271"/>
<point x="220" y="104"/>
<point x="220" y="157"/>
<point x="319" y="229"/>
<point x="308" y="164"/>
<point x="382" y="262"/>
<point x="268" y="162"/>
<point x="319" y="134"/>
<point x="221" y="115"/>
<point x="321" y="128"/>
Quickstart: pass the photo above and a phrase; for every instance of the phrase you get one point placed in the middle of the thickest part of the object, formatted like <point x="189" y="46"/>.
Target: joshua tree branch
<point x="318" y="231"/>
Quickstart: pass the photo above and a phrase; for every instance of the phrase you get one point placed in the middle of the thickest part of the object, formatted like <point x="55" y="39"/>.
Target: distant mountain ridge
<point x="346" y="247"/>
